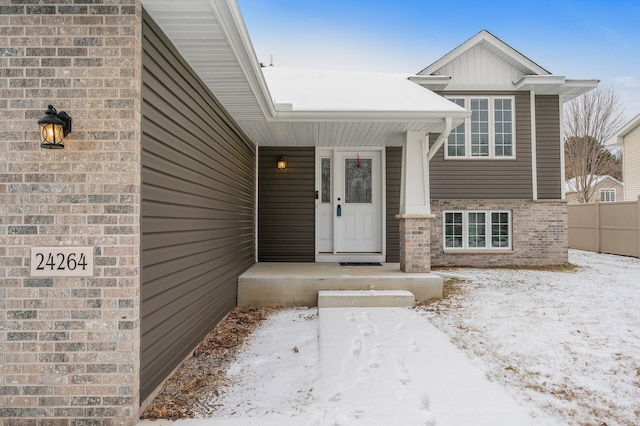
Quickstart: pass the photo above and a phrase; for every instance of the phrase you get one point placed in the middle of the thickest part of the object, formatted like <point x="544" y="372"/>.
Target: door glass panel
<point x="325" y="165"/>
<point x="358" y="180"/>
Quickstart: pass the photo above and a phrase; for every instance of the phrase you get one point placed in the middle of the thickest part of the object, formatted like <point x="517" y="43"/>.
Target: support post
<point x="415" y="242"/>
<point x="415" y="205"/>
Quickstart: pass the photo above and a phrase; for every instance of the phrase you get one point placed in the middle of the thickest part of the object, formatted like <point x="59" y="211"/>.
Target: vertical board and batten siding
<point x="198" y="198"/>
<point x="548" y="147"/>
<point x="394" y="175"/>
<point x="492" y="179"/>
<point x="631" y="165"/>
<point x="286" y="205"/>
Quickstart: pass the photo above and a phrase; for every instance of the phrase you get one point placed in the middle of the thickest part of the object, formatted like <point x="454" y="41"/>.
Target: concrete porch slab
<point x="297" y="284"/>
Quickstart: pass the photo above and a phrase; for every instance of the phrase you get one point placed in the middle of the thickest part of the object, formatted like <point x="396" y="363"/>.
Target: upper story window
<point x="488" y="133"/>
<point x="607" y="194"/>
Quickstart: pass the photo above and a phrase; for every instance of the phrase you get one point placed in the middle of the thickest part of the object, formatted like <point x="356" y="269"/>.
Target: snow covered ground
<point x="537" y="347"/>
<point x="567" y="341"/>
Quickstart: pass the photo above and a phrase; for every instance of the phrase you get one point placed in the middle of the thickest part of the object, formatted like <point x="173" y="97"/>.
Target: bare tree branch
<point x="589" y="120"/>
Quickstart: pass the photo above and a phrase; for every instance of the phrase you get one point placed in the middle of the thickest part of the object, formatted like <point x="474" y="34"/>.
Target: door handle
<point x="339" y="211"/>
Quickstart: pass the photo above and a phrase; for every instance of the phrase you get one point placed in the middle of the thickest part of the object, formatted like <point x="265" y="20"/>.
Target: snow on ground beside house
<point x="567" y="341"/>
<point x="556" y="347"/>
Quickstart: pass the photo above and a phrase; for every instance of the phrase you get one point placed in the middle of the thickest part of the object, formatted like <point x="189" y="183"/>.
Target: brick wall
<point x="539" y="233"/>
<point x="69" y="347"/>
<point x="415" y="242"/>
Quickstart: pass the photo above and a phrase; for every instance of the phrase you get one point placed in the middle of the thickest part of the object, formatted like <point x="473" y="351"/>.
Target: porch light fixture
<point x="282" y="163"/>
<point x="54" y="127"/>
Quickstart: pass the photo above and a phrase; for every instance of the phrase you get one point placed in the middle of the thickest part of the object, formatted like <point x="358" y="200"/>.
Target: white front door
<point x="350" y="205"/>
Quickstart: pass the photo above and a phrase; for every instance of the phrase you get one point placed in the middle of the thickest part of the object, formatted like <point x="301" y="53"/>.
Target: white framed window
<point x="488" y="133"/>
<point x="477" y="229"/>
<point x="607" y="194"/>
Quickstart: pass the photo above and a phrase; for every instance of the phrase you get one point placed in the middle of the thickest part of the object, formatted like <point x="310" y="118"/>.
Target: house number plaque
<point x="62" y="261"/>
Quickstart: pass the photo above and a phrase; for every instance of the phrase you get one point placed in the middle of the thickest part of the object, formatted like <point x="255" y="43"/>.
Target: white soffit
<point x="362" y="111"/>
<point x="208" y="36"/>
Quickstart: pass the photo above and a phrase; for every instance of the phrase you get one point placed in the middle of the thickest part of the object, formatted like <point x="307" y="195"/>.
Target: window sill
<point x="480" y="158"/>
<point x="477" y="251"/>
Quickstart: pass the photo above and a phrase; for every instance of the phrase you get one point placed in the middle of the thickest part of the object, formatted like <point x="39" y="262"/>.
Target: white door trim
<point x="332" y="255"/>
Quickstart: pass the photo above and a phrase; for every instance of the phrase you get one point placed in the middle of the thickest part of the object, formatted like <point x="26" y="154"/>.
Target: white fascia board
<point x="618" y="137"/>
<point x="232" y="24"/>
<point x="457" y="117"/>
<point x="432" y="82"/>
<point x="535" y="82"/>
<point x="555" y="85"/>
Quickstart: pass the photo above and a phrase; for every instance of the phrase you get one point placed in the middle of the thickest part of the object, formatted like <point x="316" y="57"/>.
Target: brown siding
<point x="286" y="205"/>
<point x="472" y="178"/>
<point x="393" y="169"/>
<point x="198" y="190"/>
<point x="548" y="147"/>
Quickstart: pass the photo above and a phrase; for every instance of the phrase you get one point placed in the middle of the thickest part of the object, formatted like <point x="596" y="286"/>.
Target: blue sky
<point x="577" y="39"/>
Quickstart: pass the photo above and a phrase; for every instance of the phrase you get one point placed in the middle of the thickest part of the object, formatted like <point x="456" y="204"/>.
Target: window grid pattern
<point x="479" y="127"/>
<point x="607" y="195"/>
<point x="503" y="127"/>
<point x="453" y="230"/>
<point x="477" y="230"/>
<point x="500" y="230"/>
<point x="456" y="143"/>
<point x="488" y="133"/>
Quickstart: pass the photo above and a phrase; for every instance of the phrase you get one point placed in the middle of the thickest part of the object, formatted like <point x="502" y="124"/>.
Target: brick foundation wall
<point x="415" y="242"/>
<point x="539" y="233"/>
<point x="69" y="347"/>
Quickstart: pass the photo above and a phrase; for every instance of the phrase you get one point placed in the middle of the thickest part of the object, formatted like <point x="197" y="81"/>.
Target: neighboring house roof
<point x="618" y="137"/>
<point x="523" y="73"/>
<point x="570" y="185"/>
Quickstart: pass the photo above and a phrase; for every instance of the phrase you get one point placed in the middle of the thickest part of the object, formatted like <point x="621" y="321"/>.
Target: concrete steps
<point x="298" y="284"/>
<point x="365" y="298"/>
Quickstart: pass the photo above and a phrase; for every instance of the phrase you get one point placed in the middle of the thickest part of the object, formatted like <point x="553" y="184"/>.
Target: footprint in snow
<point x="402" y="374"/>
<point x="413" y="346"/>
<point x="335" y="397"/>
<point x="356" y="347"/>
<point x="350" y="316"/>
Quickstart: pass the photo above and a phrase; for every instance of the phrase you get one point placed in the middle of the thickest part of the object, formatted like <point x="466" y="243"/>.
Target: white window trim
<point x="465" y="232"/>
<point x="492" y="135"/>
<point x="609" y="191"/>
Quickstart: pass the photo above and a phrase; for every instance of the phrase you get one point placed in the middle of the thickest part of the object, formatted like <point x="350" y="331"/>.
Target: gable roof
<point x="618" y="137"/>
<point x="496" y="66"/>
<point x="494" y="45"/>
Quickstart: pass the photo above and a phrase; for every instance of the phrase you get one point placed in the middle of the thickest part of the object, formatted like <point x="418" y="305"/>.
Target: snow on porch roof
<point x="316" y="90"/>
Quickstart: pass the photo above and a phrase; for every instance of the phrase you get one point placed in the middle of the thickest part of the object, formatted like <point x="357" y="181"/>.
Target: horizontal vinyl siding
<point x="631" y="159"/>
<point x="198" y="190"/>
<point x="286" y="205"/>
<point x="548" y="147"/>
<point x="498" y="179"/>
<point x="394" y="166"/>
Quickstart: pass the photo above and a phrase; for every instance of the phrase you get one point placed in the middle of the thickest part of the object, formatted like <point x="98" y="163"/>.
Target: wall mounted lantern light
<point x="54" y="127"/>
<point x="282" y="163"/>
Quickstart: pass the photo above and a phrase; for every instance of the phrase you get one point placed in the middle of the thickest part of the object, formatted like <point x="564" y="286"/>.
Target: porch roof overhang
<point x="278" y="107"/>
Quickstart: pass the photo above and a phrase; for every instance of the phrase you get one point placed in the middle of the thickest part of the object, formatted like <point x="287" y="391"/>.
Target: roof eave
<point x="370" y="116"/>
